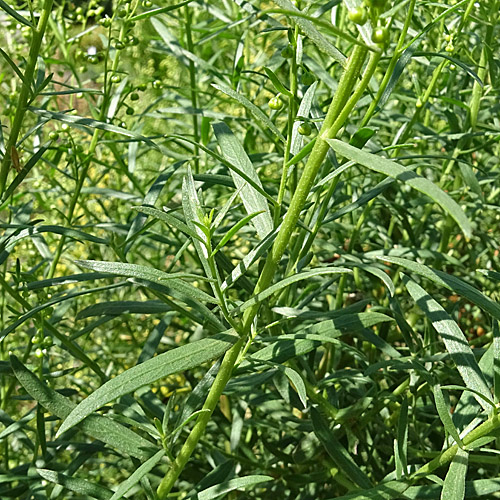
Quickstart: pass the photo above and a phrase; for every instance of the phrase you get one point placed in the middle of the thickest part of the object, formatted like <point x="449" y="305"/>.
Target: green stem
<point x="477" y="90"/>
<point x="25" y="92"/>
<point x="199" y="428"/>
<point x="318" y="153"/>
<point x="339" y="123"/>
<point x="194" y="87"/>
<point x="390" y="70"/>
<point x="313" y="164"/>
<point x="492" y="424"/>
<point x="292" y="111"/>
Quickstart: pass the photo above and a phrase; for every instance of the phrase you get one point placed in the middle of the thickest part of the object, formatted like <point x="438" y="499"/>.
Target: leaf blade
<point x="396" y="171"/>
<point x="453" y="338"/>
<point x="96" y="426"/>
<point x="253" y="201"/>
<point x="178" y="359"/>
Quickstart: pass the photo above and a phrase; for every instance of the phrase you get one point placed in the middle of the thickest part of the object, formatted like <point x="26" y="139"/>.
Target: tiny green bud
<point x="358" y="16"/>
<point x="105" y="22"/>
<point x="275" y="103"/>
<point x="47" y="342"/>
<point x="380" y="35"/>
<point x="305" y="129"/>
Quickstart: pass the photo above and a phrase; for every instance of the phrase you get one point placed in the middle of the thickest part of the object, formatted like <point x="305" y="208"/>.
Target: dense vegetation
<point x="249" y="249"/>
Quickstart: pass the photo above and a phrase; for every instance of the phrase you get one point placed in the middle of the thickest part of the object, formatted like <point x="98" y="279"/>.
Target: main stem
<point x="341" y="97"/>
<point x="25" y="92"/>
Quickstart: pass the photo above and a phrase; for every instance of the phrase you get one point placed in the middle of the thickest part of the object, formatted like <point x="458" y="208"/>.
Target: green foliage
<point x="286" y="217"/>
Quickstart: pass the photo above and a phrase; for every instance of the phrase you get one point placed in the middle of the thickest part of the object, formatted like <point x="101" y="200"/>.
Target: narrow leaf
<point x="298" y="383"/>
<point x="253" y="201"/>
<point x="256" y="299"/>
<point x="13" y="13"/>
<point x="448" y="281"/>
<point x="233" y="484"/>
<point x="88" y="124"/>
<point x="454" y="482"/>
<point x="401" y="442"/>
<point x="453" y="338"/>
<point x="159" y="10"/>
<point x="181" y="358"/>
<point x="97" y="426"/>
<point x="284" y="348"/>
<point x="168" y="219"/>
<point x="24" y="172"/>
<point x="150" y="274"/>
<point x="137" y="475"/>
<point x="496" y="360"/>
<point x="15" y="68"/>
<point x="150" y="199"/>
<point x="193" y="214"/>
<point x="445" y="415"/>
<point x="385" y="491"/>
<point x="277" y="83"/>
<point x="314" y="35"/>
<point x="243" y="222"/>
<point x="80" y="486"/>
<point x="303" y="112"/>
<point x="396" y="171"/>
<point x="337" y="452"/>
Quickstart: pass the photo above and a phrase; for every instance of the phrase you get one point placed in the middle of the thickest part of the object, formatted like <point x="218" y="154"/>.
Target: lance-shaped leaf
<point x="168" y="219"/>
<point x="137" y="475"/>
<point x="241" y="223"/>
<point x="454" y="482"/>
<point x="15" y="14"/>
<point x="253" y="201"/>
<point x="303" y="112"/>
<point x="448" y="281"/>
<point x="182" y="358"/>
<point x="256" y="299"/>
<point x="454" y="340"/>
<point x="445" y="415"/>
<point x="314" y="35"/>
<point x="339" y="454"/>
<point x="150" y="199"/>
<point x="398" y="172"/>
<point x="151" y="274"/>
<point x="80" y="486"/>
<point x="89" y="124"/>
<point x="233" y="484"/>
<point x="385" y="491"/>
<point x="97" y="426"/>
<point x="193" y="213"/>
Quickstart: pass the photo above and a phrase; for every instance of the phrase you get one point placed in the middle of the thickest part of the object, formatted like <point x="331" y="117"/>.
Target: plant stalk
<point x="313" y="164"/>
<point x="25" y="93"/>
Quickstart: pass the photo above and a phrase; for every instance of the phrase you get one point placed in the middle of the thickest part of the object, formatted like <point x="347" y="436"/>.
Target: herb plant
<point x="249" y="250"/>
